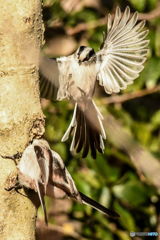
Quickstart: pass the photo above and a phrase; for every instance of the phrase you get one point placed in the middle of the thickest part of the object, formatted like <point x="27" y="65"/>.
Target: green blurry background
<point x="126" y="178"/>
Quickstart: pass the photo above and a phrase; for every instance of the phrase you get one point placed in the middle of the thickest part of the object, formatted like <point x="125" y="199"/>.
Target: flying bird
<point x="118" y="62"/>
<point x="43" y="170"/>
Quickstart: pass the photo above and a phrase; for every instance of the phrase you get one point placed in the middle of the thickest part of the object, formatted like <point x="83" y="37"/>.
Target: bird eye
<point x="89" y="55"/>
<point x="81" y="48"/>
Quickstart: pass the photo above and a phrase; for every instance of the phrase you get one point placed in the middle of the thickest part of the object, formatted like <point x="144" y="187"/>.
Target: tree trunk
<point x="21" y="117"/>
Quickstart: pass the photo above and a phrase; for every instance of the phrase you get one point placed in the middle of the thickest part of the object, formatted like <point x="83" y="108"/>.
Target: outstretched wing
<point x="49" y="78"/>
<point x="122" y="53"/>
<point x="53" y="78"/>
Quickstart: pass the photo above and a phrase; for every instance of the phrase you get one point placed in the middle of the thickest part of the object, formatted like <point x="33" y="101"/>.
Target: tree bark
<point x="21" y="117"/>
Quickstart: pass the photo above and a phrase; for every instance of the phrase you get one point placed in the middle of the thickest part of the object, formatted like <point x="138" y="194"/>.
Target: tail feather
<point x="92" y="135"/>
<point x="80" y="122"/>
<point x="98" y="206"/>
<point x="41" y="198"/>
<point x="71" y="126"/>
<point x="82" y="136"/>
<point x="101" y="143"/>
<point x="86" y="137"/>
<point x="98" y="140"/>
<point x="88" y="129"/>
<point x="101" y="127"/>
<point x="72" y="147"/>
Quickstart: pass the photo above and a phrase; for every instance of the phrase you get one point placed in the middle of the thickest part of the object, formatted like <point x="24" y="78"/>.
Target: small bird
<point x="118" y="62"/>
<point x="43" y="170"/>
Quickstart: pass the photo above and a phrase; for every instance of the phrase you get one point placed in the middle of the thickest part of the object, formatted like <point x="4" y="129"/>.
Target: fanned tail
<point x="88" y="129"/>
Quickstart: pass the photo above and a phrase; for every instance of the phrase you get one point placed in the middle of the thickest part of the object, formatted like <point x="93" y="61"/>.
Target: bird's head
<point x="84" y="53"/>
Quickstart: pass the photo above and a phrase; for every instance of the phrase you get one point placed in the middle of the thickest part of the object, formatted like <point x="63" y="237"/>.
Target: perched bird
<point x="43" y="170"/>
<point x="118" y="62"/>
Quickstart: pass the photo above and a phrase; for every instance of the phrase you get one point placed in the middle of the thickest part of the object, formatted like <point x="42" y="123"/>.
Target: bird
<point x="44" y="171"/>
<point x="118" y="62"/>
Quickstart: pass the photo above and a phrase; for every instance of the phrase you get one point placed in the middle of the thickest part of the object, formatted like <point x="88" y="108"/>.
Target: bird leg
<point x="14" y="157"/>
<point x="12" y="180"/>
<point x="15" y="186"/>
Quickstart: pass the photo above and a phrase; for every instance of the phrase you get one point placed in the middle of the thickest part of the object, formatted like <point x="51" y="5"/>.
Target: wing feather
<point x="52" y="72"/>
<point x="43" y="164"/>
<point x="123" y="52"/>
<point x="119" y="24"/>
<point x="127" y="33"/>
<point x="109" y="23"/>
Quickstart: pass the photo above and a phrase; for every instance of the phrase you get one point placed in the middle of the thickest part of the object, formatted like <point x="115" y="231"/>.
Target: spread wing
<point x="49" y="78"/>
<point x="122" y="53"/>
<point x="53" y="78"/>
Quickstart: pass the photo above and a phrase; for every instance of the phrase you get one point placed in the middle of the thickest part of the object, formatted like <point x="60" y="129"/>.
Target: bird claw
<point x="17" y="155"/>
<point x="15" y="186"/>
<point x="14" y="157"/>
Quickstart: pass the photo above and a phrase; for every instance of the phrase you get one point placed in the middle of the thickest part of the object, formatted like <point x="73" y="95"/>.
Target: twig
<point x="60" y="229"/>
<point x="102" y="21"/>
<point x="85" y="26"/>
<point x="14" y="157"/>
<point x="129" y="96"/>
<point x="151" y="15"/>
<point x="142" y="159"/>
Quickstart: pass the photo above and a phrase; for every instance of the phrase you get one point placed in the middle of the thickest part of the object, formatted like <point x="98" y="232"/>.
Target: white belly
<point x="81" y="81"/>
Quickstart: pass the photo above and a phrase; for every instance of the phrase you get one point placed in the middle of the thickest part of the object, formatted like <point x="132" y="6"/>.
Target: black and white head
<point x="84" y="53"/>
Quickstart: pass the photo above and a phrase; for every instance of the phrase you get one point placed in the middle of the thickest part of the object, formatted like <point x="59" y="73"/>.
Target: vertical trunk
<point x="21" y="117"/>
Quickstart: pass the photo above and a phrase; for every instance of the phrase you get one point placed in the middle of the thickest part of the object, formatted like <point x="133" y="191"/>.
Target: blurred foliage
<point x="111" y="179"/>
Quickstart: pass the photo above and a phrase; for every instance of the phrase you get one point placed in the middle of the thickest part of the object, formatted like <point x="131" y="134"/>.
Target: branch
<point x="141" y="158"/>
<point x="85" y="26"/>
<point x="44" y="231"/>
<point x="102" y="21"/>
<point x="151" y="15"/>
<point x="129" y="96"/>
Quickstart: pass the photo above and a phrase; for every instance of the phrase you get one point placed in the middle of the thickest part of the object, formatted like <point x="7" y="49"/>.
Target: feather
<point x="123" y="54"/>
<point x="59" y="183"/>
<point x="72" y="124"/>
<point x="116" y="65"/>
<point x="43" y="165"/>
<point x="41" y="198"/>
<point x="98" y="206"/>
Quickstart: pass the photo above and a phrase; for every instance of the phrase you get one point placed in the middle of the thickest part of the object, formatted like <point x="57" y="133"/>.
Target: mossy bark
<point x="21" y="117"/>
